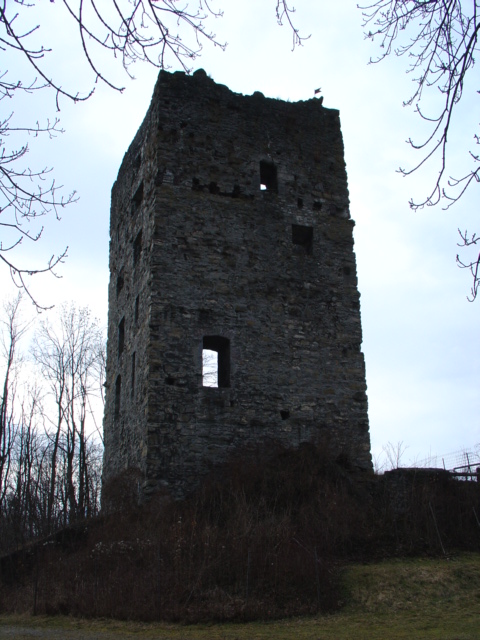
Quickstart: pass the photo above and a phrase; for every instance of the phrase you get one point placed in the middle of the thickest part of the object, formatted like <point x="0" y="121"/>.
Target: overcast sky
<point x="421" y="340"/>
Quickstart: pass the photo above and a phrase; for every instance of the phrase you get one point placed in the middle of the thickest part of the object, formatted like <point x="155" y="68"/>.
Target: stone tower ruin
<point x="230" y="232"/>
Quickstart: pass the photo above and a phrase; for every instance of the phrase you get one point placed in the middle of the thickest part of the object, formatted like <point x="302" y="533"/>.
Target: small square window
<point x="303" y="236"/>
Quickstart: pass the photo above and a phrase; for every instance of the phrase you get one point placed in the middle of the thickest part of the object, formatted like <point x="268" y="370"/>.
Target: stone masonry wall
<point x="203" y="256"/>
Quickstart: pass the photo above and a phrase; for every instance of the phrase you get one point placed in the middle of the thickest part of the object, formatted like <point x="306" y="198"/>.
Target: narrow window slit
<point x="137" y="198"/>
<point x="118" y="394"/>
<point x="120" y="281"/>
<point x="132" y="390"/>
<point x="137" y="248"/>
<point x="136" y="311"/>
<point x="209" y="368"/>
<point x="121" y="336"/>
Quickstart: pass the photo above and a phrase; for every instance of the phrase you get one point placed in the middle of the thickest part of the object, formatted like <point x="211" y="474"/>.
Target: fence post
<point x="436" y="528"/>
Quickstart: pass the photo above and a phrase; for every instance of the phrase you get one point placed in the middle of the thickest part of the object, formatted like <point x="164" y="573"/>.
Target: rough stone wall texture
<point x="202" y="256"/>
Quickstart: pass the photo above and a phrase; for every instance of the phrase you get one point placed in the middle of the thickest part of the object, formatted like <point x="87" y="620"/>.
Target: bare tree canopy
<point x="439" y="39"/>
<point x="163" y="33"/>
<point x="50" y="444"/>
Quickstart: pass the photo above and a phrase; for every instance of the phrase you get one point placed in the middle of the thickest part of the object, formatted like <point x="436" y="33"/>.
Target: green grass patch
<point x="436" y="599"/>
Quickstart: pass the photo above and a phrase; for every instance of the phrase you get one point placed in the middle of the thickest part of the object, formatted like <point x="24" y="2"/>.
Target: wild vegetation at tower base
<point x="264" y="537"/>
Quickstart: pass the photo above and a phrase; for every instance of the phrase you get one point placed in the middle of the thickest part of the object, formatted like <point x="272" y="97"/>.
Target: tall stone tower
<point x="230" y="233"/>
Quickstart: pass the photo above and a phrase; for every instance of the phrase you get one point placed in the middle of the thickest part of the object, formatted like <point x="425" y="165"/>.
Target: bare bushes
<point x="261" y="538"/>
<point x="428" y="511"/>
<point x="243" y="546"/>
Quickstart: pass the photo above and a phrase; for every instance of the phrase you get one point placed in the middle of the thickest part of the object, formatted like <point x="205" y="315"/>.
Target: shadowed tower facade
<point x="231" y="236"/>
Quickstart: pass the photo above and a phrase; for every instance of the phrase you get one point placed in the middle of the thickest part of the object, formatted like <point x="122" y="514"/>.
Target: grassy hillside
<point x="416" y="598"/>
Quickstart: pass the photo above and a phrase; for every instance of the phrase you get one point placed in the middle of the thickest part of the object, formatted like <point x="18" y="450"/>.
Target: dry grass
<point x="421" y="598"/>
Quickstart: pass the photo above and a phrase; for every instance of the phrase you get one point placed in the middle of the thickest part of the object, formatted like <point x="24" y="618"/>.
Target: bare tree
<point x="13" y="330"/>
<point x="439" y="39"/>
<point x="19" y="444"/>
<point x="50" y="462"/>
<point x="159" y="32"/>
<point x="24" y="512"/>
<point x="68" y="355"/>
<point x="390" y="458"/>
<point x="470" y="240"/>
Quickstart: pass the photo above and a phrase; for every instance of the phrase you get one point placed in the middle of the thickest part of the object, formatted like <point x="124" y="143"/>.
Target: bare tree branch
<point x="472" y="265"/>
<point x="284" y="12"/>
<point x="163" y="33"/>
<point x="439" y="39"/>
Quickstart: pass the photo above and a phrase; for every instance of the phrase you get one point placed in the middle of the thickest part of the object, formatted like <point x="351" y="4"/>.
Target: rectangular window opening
<point x="209" y="368"/>
<point x="120" y="281"/>
<point x="303" y="236"/>
<point x="137" y="248"/>
<point x="137" y="163"/>
<point x="216" y="361"/>
<point x="268" y="176"/>
<point x="137" y="198"/>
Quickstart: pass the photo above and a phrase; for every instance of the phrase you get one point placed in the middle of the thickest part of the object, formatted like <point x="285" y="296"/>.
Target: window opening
<point x="137" y="305"/>
<point x="210" y="368"/>
<point x="216" y="361"/>
<point x="133" y="375"/>
<point x="137" y="248"/>
<point x="268" y="176"/>
<point x="118" y="393"/>
<point x="120" y="281"/>
<point x="303" y="236"/>
<point x="121" y="336"/>
<point x="137" y="198"/>
<point x="300" y="203"/>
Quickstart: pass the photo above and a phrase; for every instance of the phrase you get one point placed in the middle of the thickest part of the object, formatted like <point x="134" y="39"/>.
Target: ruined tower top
<point x="231" y="235"/>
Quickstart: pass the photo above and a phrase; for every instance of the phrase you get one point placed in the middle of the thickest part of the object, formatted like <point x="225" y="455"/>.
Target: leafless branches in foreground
<point x="163" y="33"/>
<point x="439" y="39"/>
